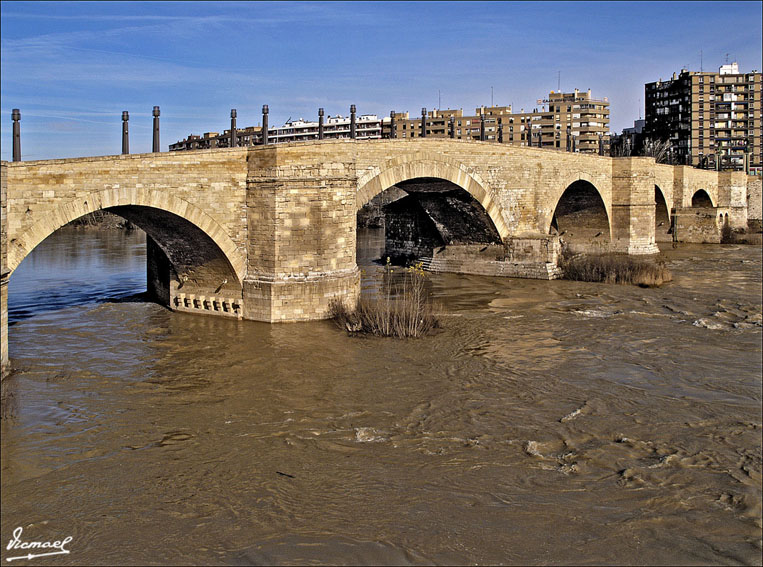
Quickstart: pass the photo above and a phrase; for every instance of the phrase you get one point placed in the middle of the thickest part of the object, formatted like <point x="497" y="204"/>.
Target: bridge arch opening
<point x="185" y="268"/>
<point x="701" y="199"/>
<point x="662" y="223"/>
<point x="580" y="219"/>
<point x="424" y="217"/>
<point x="95" y="259"/>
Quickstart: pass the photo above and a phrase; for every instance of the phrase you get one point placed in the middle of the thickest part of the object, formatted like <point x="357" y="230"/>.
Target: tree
<point x="658" y="149"/>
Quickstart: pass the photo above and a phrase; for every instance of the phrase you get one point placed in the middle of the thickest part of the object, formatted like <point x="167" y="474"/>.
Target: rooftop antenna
<point x="439" y="100"/>
<point x="559" y="81"/>
<point x="639" y="109"/>
<point x="491" y="96"/>
<point x="727" y="59"/>
<point x="701" y="67"/>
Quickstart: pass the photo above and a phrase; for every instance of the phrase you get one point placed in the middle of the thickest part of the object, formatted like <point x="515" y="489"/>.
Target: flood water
<point x="549" y="422"/>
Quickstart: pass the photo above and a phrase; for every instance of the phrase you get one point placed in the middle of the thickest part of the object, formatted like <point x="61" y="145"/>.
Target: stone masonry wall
<point x="301" y="217"/>
<point x="205" y="187"/>
<point x="698" y="225"/>
<point x="754" y="202"/>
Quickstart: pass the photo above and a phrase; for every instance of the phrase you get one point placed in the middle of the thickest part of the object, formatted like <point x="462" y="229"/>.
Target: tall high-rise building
<point x="711" y="119"/>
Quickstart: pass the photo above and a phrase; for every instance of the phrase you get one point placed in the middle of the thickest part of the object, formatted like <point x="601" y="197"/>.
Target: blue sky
<point x="73" y="67"/>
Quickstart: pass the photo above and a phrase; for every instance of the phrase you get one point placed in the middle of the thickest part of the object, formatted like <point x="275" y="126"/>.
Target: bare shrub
<point x="615" y="268"/>
<point x="403" y="309"/>
<point x="727" y="234"/>
<point x="740" y="236"/>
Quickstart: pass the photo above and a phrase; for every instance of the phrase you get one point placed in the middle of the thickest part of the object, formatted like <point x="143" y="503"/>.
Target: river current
<point x="548" y="422"/>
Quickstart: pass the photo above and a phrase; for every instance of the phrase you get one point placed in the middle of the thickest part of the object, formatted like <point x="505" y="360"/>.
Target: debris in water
<point x="531" y="448"/>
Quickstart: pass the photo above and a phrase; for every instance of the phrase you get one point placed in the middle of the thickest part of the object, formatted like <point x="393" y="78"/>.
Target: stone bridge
<point x="268" y="232"/>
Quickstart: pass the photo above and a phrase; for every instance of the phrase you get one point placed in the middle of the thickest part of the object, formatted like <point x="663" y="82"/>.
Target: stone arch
<point x="125" y="199"/>
<point x="546" y="216"/>
<point x="581" y="181"/>
<point x="701" y="198"/>
<point x="439" y="167"/>
<point x="662" y="222"/>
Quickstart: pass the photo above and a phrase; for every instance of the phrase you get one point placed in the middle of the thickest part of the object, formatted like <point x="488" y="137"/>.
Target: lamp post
<point x="155" y="147"/>
<point x="265" y="111"/>
<point x="233" y="133"/>
<point x="16" y="116"/>
<point x="125" y="133"/>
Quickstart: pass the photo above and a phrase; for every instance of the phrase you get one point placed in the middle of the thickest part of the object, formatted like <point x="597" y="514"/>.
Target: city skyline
<point x="72" y="68"/>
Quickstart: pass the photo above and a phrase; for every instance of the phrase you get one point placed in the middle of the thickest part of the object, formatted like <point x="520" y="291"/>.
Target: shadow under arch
<point x="186" y="235"/>
<point x="662" y="223"/>
<point x="702" y="199"/>
<point x="580" y="218"/>
<point x="398" y="172"/>
<point x="428" y="216"/>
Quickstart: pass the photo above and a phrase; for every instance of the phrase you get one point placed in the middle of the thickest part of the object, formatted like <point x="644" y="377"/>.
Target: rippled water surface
<point x="549" y="422"/>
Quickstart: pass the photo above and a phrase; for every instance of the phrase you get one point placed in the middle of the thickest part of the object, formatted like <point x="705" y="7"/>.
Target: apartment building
<point x="566" y="121"/>
<point x="367" y="127"/>
<point x="712" y="120"/>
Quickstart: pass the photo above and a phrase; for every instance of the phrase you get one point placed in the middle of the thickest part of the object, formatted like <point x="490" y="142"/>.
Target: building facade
<point x="367" y="127"/>
<point x="566" y="121"/>
<point x="712" y="120"/>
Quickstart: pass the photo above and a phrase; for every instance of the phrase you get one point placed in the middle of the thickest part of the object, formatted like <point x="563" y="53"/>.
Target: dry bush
<point x="403" y="309"/>
<point x="615" y="268"/>
<point x="727" y="234"/>
<point x="739" y="236"/>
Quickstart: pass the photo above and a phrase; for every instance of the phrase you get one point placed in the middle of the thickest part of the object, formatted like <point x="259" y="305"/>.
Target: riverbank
<point x="102" y="220"/>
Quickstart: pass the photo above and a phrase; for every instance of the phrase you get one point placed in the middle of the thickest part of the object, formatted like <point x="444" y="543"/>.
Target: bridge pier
<point x="732" y="194"/>
<point x="632" y="213"/>
<point x="700" y="225"/>
<point x="301" y="246"/>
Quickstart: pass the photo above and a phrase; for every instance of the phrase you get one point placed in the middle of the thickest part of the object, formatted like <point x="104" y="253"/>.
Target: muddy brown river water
<point x="549" y="422"/>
